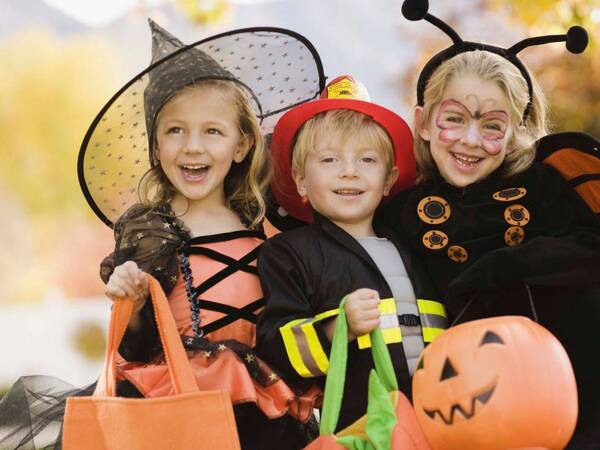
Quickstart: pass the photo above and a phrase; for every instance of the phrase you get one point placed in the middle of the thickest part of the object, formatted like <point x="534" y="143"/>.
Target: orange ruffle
<point x="225" y="371"/>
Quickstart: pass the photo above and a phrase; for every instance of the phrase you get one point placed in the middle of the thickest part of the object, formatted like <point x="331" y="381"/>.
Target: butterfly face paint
<point x="457" y="122"/>
<point x="468" y="130"/>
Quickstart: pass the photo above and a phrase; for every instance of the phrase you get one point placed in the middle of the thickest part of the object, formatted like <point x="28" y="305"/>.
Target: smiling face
<point x="468" y="130"/>
<point x="345" y="180"/>
<point x="198" y="139"/>
<point x="486" y="384"/>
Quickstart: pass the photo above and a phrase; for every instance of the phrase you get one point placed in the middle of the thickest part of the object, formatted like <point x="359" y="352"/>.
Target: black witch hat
<point x="576" y="41"/>
<point x="278" y="68"/>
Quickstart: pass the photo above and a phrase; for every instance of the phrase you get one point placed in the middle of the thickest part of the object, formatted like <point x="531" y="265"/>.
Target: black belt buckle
<point x="409" y="320"/>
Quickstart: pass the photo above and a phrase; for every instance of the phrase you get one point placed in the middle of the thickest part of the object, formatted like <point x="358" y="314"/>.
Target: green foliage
<point x="50" y="89"/>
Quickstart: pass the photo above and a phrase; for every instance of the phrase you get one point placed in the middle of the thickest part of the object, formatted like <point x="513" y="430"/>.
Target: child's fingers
<point x="364" y="293"/>
<point x="124" y="286"/>
<point x="370" y="314"/>
<point x="133" y="272"/>
<point x="144" y="281"/>
<point x="115" y="292"/>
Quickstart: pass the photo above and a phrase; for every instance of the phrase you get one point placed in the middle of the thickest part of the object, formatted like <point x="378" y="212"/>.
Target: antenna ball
<point x="577" y="39"/>
<point x="415" y="9"/>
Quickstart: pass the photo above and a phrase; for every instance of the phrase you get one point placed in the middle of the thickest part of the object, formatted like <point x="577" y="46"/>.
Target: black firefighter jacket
<point x="304" y="274"/>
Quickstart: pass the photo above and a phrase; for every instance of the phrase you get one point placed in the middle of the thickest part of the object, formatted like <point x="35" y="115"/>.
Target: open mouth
<point x="482" y="398"/>
<point x="464" y="160"/>
<point x="348" y="192"/>
<point x="194" y="172"/>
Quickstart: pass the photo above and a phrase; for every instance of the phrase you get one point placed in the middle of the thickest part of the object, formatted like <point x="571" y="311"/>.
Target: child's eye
<point x="368" y="159"/>
<point x="174" y="130"/>
<point x="329" y="159"/>
<point x="213" y="131"/>
<point x="454" y="119"/>
<point x="492" y="126"/>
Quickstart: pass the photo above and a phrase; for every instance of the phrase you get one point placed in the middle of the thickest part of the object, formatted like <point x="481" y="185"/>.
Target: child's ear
<point x="300" y="184"/>
<point x="244" y="145"/>
<point x="389" y="182"/>
<point x="422" y="128"/>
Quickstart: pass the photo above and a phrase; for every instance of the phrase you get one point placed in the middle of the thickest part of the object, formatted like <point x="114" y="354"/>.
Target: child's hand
<point x="362" y="312"/>
<point x="128" y="280"/>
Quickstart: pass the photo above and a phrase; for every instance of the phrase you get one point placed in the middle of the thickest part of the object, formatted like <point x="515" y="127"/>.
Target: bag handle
<point x="180" y="370"/>
<point x="336" y="376"/>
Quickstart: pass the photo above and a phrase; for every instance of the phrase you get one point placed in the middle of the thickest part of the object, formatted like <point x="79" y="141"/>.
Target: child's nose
<point x="194" y="143"/>
<point x="349" y="169"/>
<point x="472" y="136"/>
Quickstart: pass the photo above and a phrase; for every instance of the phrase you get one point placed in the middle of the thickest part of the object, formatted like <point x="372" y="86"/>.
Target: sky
<point x="95" y="12"/>
<point x="99" y="12"/>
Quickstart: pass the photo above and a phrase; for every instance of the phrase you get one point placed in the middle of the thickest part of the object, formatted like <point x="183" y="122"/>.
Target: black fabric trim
<point x="584" y="179"/>
<point x="570" y="139"/>
<point x="220" y="257"/>
<point x="224" y="273"/>
<point x="229" y="236"/>
<point x="233" y="313"/>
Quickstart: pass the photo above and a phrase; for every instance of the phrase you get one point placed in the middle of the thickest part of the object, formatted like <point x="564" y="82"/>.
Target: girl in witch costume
<point x="499" y="234"/>
<point x="197" y="224"/>
<point x="335" y="159"/>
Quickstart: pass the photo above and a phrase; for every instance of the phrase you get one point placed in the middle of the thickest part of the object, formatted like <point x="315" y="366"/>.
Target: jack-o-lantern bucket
<point x="496" y="384"/>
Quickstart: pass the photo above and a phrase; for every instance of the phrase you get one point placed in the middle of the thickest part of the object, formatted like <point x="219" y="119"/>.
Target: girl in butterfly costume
<point x="500" y="233"/>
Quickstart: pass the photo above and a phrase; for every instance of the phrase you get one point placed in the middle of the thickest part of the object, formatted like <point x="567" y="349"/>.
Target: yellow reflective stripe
<point x="327" y="314"/>
<point x="390" y="336"/>
<point x="387" y="306"/>
<point x="431" y="307"/>
<point x="292" y="349"/>
<point x="314" y="346"/>
<point x="429" y="333"/>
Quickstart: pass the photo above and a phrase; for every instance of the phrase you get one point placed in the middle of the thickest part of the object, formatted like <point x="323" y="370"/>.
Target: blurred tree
<point x="572" y="91"/>
<point x="50" y="90"/>
<point x="89" y="340"/>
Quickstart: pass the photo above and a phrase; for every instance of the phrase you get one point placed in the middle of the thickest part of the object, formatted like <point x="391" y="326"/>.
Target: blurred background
<point x="62" y="60"/>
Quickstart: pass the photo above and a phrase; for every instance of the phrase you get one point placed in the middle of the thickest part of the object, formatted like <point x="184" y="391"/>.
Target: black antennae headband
<point x="576" y="41"/>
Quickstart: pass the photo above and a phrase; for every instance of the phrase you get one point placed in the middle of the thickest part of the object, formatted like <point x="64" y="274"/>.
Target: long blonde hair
<point x="493" y="68"/>
<point x="246" y="181"/>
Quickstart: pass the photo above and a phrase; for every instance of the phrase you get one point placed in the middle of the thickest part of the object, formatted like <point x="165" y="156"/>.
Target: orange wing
<point x="577" y="157"/>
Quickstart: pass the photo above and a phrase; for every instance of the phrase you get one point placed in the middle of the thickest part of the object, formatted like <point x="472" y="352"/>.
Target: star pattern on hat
<point x="117" y="149"/>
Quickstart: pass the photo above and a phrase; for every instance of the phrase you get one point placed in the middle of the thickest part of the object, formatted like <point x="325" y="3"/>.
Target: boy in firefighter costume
<point x="500" y="233"/>
<point x="335" y="159"/>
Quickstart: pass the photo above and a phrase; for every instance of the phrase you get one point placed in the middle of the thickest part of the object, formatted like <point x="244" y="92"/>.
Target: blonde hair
<point x="245" y="182"/>
<point x="348" y="124"/>
<point x="493" y="68"/>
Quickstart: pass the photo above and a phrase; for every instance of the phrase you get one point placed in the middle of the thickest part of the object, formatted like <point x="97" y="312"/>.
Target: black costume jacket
<point x="497" y="246"/>
<point x="305" y="273"/>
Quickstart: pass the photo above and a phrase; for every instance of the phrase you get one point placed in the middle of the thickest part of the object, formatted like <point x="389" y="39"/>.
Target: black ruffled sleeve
<point x="150" y="237"/>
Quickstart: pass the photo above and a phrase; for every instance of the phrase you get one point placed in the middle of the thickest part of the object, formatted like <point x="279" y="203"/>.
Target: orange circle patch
<point x="510" y="194"/>
<point x="457" y="253"/>
<point x="435" y="239"/>
<point x="517" y="215"/>
<point x="514" y="236"/>
<point x="433" y="210"/>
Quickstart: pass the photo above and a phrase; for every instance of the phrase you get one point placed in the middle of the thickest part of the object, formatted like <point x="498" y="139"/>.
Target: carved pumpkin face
<point x="499" y="383"/>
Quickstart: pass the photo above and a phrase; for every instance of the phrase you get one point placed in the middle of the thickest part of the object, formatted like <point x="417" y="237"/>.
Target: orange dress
<point x="224" y="275"/>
